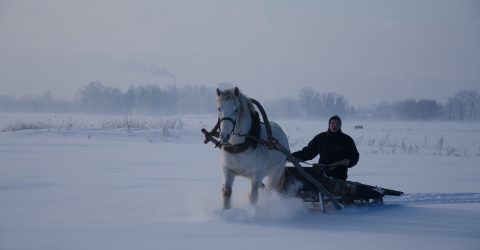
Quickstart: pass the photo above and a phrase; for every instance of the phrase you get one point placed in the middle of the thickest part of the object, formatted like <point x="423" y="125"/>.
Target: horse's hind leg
<point x="280" y="183"/>
<point x="276" y="180"/>
<point x="227" y="194"/>
<point x="254" y="192"/>
<point x="227" y="188"/>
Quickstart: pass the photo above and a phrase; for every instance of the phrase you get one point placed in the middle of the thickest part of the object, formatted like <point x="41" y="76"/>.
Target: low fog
<point x="95" y="98"/>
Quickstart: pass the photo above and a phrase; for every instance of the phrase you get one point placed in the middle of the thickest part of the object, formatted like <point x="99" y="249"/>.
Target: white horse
<point x="255" y="163"/>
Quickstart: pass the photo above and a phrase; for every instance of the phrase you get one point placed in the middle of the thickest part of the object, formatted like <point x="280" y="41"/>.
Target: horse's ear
<point x="219" y="92"/>
<point x="236" y="91"/>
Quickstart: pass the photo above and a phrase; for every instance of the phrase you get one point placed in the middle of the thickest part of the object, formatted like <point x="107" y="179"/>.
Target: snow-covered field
<point x="125" y="182"/>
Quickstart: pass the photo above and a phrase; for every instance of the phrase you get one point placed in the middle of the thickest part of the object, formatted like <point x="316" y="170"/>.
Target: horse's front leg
<point x="254" y="192"/>
<point x="229" y="176"/>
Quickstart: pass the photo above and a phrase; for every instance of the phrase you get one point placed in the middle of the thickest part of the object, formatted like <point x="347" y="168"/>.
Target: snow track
<point x="433" y="198"/>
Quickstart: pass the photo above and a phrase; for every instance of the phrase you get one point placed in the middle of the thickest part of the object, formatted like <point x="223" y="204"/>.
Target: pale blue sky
<point x="368" y="51"/>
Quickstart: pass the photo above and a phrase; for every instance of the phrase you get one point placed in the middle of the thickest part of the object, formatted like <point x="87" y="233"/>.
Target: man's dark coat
<point x="331" y="147"/>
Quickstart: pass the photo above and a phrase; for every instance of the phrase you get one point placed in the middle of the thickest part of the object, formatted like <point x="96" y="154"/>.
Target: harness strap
<point x="270" y="139"/>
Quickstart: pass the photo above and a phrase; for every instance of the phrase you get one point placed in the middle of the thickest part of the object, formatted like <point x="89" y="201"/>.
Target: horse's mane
<point x="245" y="102"/>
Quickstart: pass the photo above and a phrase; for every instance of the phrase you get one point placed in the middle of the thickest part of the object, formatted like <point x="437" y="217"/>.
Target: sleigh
<point x="347" y="193"/>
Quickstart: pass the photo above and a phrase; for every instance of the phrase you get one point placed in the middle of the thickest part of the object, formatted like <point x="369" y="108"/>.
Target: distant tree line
<point x="29" y="103"/>
<point x="310" y="104"/>
<point x="409" y="109"/>
<point x="148" y="99"/>
<point x="95" y="98"/>
<point x="463" y="106"/>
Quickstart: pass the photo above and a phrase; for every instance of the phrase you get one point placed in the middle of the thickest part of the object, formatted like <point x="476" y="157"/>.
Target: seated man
<point x="335" y="149"/>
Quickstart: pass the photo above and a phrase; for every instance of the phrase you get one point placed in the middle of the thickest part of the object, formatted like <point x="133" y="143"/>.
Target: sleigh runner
<point x="308" y="183"/>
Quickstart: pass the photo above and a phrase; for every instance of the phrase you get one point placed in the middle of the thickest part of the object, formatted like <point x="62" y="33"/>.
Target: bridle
<point x="230" y="119"/>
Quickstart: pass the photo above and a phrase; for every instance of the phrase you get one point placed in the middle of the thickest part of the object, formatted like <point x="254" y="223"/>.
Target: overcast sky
<point x="368" y="51"/>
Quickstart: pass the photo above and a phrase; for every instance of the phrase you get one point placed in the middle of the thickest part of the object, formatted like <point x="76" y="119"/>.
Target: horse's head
<point x="228" y="106"/>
